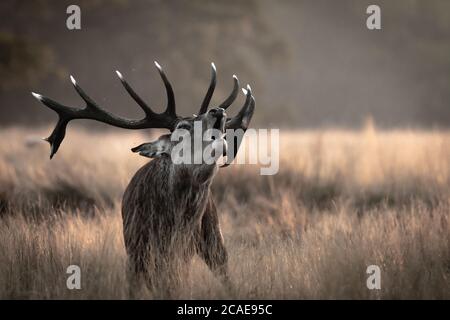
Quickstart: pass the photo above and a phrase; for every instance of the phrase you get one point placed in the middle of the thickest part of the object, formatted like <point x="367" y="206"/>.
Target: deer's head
<point x="198" y="138"/>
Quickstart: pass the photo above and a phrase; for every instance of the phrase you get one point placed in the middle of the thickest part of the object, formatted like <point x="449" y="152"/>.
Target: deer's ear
<point x="154" y="149"/>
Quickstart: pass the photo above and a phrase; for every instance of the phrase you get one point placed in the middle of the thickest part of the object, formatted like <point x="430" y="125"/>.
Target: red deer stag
<point x="168" y="211"/>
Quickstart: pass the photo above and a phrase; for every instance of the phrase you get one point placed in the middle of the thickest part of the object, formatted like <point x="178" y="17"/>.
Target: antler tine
<point x="149" y="112"/>
<point x="170" y="110"/>
<point x="239" y="124"/>
<point x="209" y="93"/>
<point x="242" y="119"/>
<point x="89" y="102"/>
<point x="228" y="101"/>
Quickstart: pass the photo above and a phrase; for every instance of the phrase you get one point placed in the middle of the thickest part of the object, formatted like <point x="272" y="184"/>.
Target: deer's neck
<point x="186" y="188"/>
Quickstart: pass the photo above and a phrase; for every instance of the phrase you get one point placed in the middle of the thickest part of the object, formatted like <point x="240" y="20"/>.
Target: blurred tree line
<point x="310" y="63"/>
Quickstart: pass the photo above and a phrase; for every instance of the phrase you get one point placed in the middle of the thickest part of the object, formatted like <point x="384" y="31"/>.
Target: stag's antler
<point x="239" y="124"/>
<point x="166" y="119"/>
<point x="242" y="119"/>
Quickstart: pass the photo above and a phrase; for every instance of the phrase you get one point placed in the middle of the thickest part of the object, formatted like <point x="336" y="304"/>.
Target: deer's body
<point x="168" y="216"/>
<point x="167" y="209"/>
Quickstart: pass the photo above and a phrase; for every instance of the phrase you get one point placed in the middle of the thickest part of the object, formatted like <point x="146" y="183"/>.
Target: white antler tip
<point x="244" y="91"/>
<point x="37" y="95"/>
<point x="235" y="77"/>
<point x="249" y="88"/>
<point x="157" y="65"/>
<point x="73" y="80"/>
<point x="119" y="74"/>
<point x="213" y="66"/>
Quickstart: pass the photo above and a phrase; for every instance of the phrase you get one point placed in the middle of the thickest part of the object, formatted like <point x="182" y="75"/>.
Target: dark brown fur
<point x="168" y="216"/>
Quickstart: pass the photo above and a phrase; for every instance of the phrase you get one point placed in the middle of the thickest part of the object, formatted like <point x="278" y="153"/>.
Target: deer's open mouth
<point x="220" y="123"/>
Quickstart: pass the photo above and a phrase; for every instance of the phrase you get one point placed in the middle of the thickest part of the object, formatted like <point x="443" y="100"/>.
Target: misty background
<point x="310" y="63"/>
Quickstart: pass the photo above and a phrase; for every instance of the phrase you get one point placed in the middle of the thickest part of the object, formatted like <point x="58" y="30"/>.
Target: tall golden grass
<point x="343" y="200"/>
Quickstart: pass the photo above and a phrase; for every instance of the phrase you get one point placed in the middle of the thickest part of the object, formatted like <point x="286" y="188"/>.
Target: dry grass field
<point x="341" y="201"/>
